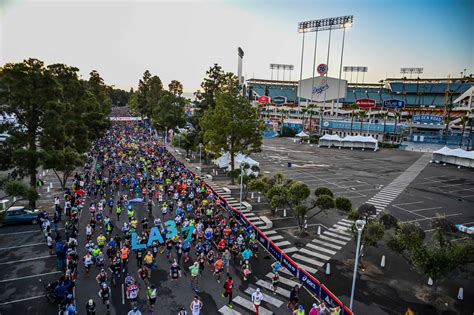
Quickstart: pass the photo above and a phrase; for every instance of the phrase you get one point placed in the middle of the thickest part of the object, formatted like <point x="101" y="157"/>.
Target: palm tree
<point x="384" y="116"/>
<point x="447" y="119"/>
<point x="470" y="129"/>
<point x="362" y="114"/>
<point x="310" y="110"/>
<point x="464" y="120"/>
<point x="303" y="112"/>
<point x="398" y="115"/>
<point x="321" y="112"/>
<point x="353" y="107"/>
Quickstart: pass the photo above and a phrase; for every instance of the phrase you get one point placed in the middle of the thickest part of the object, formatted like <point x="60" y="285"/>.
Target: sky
<point x="182" y="39"/>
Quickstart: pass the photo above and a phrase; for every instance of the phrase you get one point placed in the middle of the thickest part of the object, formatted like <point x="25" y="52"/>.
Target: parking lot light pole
<point x="200" y="164"/>
<point x="360" y="226"/>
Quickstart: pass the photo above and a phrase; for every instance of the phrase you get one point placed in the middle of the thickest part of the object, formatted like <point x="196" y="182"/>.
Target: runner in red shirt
<point x="228" y="288"/>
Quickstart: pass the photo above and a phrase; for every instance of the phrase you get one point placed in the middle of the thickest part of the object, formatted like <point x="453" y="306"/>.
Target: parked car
<point x="18" y="215"/>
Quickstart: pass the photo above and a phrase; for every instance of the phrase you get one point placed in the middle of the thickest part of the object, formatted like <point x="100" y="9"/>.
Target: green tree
<point x="17" y="189"/>
<point x="100" y="91"/>
<point x="118" y="97"/>
<point x="384" y="116"/>
<point x="169" y="111"/>
<point x="343" y="203"/>
<point x="367" y="211"/>
<point x="354" y="107"/>
<point x="464" y="120"/>
<point x="362" y="114"/>
<point x="175" y="87"/>
<point x="28" y="88"/>
<point x="231" y="126"/>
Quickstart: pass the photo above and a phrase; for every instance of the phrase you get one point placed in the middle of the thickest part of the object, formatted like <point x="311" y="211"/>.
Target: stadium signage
<point x="318" y="90"/>
<point x="393" y="104"/>
<point x="279" y="100"/>
<point x="264" y="99"/>
<point x="322" y="68"/>
<point x="155" y="235"/>
<point x="430" y="119"/>
<point x="365" y="103"/>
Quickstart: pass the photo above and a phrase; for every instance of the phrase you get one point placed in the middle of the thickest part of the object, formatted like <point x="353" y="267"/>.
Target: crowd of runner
<point x="128" y="169"/>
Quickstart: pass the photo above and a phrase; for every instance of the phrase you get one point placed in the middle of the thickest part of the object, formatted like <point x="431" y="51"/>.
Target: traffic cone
<point x="430" y="281"/>
<point x="319" y="230"/>
<point x="328" y="268"/>
<point x="382" y="263"/>
<point x="461" y="294"/>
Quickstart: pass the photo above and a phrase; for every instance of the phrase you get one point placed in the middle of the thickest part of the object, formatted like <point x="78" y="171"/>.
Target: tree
<point x="28" y="88"/>
<point x="384" y="116"/>
<point x="464" y="120"/>
<point x="320" y="191"/>
<point x="118" y="97"/>
<point x="232" y="126"/>
<point x="343" y="203"/>
<point x="367" y="210"/>
<point x="100" y="91"/>
<point x="175" y="87"/>
<point x="362" y="114"/>
<point x="398" y="115"/>
<point x="354" y="107"/>
<point x="248" y="176"/>
<point x="169" y="111"/>
<point x="15" y="188"/>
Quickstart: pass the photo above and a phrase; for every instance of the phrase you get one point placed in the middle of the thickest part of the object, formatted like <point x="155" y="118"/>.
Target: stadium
<point x="428" y="104"/>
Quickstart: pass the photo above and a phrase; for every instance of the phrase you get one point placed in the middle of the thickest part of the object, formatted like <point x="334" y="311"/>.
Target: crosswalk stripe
<point x="321" y="249"/>
<point x="270" y="232"/>
<point x="267" y="285"/>
<point x="275" y="237"/>
<point x="348" y="221"/>
<point x="320" y="242"/>
<point x="308" y="260"/>
<point x="284" y="280"/>
<point x="250" y="218"/>
<point x="249" y="305"/>
<point x="225" y="310"/>
<point x="337" y="235"/>
<point x="332" y="240"/>
<point x="314" y="254"/>
<point x="307" y="268"/>
<point x="340" y="231"/>
<point x="344" y="224"/>
<point x="258" y="223"/>
<point x="283" y="243"/>
<point x="266" y="297"/>
<point x="289" y="250"/>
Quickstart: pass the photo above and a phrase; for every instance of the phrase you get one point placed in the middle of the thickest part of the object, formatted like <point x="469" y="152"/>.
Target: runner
<point x="196" y="306"/>
<point x="228" y="289"/>
<point x="257" y="298"/>
<point x="194" y="269"/>
<point x="175" y="271"/>
<point x="151" y="293"/>
<point x="105" y="294"/>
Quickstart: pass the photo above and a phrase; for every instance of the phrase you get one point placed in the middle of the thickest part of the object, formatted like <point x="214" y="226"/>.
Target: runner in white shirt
<point x="196" y="306"/>
<point x="88" y="232"/>
<point x="257" y="298"/>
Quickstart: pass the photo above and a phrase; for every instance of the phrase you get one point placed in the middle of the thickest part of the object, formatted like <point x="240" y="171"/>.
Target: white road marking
<point x="20" y="246"/>
<point x="22" y="300"/>
<point x="32" y="276"/>
<point x="28" y="259"/>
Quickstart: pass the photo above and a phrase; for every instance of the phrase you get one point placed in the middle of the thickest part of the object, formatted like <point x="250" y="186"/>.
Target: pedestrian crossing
<point x="319" y="251"/>
<point x="390" y="192"/>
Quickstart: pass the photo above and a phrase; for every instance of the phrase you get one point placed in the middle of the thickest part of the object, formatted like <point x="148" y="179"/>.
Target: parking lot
<point x="438" y="190"/>
<point x="24" y="259"/>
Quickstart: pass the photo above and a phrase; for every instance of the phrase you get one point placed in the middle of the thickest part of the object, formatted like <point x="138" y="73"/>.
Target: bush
<point x="323" y="191"/>
<point x="387" y="145"/>
<point x="314" y="139"/>
<point x="344" y="204"/>
<point x="354" y="215"/>
<point x="366" y="210"/>
<point x="388" y="220"/>
<point x="325" y="202"/>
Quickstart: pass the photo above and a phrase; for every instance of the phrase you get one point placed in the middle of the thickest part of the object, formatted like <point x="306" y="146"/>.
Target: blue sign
<point x="309" y="283"/>
<point x="262" y="239"/>
<point x="289" y="265"/>
<point x="394" y="104"/>
<point x="430" y="119"/>
<point x="275" y="251"/>
<point x="328" y="299"/>
<point x="279" y="100"/>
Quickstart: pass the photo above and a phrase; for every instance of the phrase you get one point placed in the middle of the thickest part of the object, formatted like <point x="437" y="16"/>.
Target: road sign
<point x="264" y="99"/>
<point x="322" y="68"/>
<point x="393" y="104"/>
<point x="365" y="103"/>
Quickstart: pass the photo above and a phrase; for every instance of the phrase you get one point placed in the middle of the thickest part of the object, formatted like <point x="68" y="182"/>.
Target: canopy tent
<point x="454" y="156"/>
<point x="224" y="162"/>
<point x="349" y="142"/>
<point x="302" y="134"/>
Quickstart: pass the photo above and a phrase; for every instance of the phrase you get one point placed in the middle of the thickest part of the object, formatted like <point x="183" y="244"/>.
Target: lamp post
<point x="360" y="226"/>
<point x="200" y="165"/>
<point x="241" y="184"/>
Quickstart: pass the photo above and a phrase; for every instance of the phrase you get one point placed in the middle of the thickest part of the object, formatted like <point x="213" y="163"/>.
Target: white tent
<point x="329" y="140"/>
<point x="457" y="156"/>
<point x="224" y="161"/>
<point x="302" y="134"/>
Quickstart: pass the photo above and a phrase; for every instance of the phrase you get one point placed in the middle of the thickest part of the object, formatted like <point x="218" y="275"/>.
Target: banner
<point x="310" y="282"/>
<point x="275" y="251"/>
<point x="289" y="264"/>
<point x="430" y="119"/>
<point x="393" y="104"/>
<point x="365" y="103"/>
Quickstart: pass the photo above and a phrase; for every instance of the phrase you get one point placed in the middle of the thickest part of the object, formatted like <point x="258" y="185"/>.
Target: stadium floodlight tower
<point x="356" y="69"/>
<point x="328" y="24"/>
<point x="284" y="67"/>
<point x="411" y="71"/>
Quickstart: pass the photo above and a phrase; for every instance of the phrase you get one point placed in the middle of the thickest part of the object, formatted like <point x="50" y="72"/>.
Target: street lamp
<point x="360" y="226"/>
<point x="241" y="184"/>
<point x="200" y="165"/>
